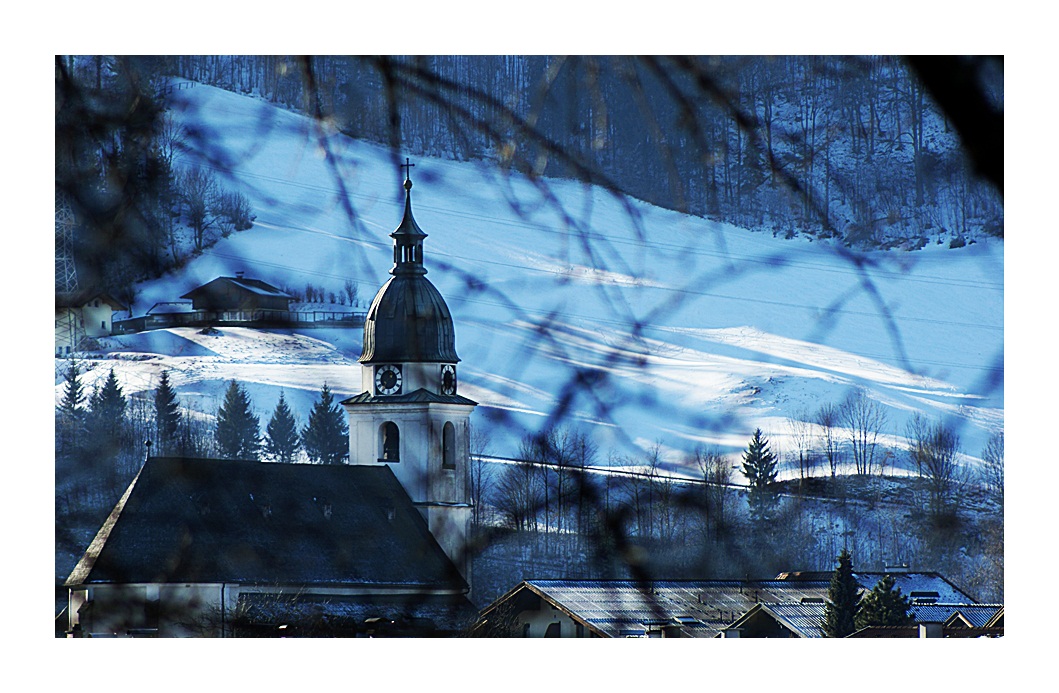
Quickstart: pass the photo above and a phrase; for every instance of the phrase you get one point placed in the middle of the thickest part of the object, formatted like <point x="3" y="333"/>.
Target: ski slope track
<point x="572" y="307"/>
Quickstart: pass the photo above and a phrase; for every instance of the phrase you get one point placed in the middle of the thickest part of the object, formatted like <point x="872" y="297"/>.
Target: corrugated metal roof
<point x="804" y="618"/>
<point x="978" y="615"/>
<point x="702" y="608"/>
<point x="699" y="608"/>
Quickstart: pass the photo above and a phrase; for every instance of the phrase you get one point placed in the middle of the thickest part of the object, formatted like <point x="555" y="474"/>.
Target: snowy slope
<point x="689" y="331"/>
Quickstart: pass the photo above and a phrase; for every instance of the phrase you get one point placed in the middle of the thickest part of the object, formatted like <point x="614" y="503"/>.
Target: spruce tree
<point x="107" y="405"/>
<point x="237" y="432"/>
<point x="843" y="599"/>
<point x="166" y="415"/>
<point x="281" y="434"/>
<point x="884" y="605"/>
<point x="72" y="405"/>
<point x="759" y="468"/>
<point x="106" y="419"/>
<point x="70" y="421"/>
<point x="326" y="437"/>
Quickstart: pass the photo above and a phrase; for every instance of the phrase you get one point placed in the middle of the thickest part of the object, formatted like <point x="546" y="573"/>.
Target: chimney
<point x="239" y="274"/>
<point x="931" y="630"/>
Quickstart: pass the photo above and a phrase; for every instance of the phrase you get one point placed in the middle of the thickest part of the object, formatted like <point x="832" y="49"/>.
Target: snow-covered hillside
<point x="639" y="324"/>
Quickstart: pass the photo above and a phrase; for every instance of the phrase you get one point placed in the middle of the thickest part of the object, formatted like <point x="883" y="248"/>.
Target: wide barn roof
<point x="250" y="286"/>
<point x="212" y="521"/>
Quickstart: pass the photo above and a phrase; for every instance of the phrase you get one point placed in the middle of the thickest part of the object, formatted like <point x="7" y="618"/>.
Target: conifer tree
<point x="759" y="468"/>
<point x="166" y="414"/>
<point x="281" y="435"/>
<point x="884" y="605"/>
<point x="107" y="405"/>
<point x="72" y="406"/>
<point x="69" y="424"/>
<point x="106" y="418"/>
<point x="326" y="437"/>
<point x="237" y="433"/>
<point x="843" y="599"/>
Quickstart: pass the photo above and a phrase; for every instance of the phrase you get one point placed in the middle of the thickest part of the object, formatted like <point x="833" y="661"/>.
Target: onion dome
<point x="408" y="320"/>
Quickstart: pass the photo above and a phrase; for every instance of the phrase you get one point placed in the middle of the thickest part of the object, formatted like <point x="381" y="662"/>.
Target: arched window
<point x="389" y="442"/>
<point x="448" y="446"/>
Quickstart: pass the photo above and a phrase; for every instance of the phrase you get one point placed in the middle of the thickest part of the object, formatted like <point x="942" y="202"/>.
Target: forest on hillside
<point x="872" y="151"/>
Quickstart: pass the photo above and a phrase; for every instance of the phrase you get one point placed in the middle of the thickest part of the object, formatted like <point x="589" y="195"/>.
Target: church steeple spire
<point x="408" y="237"/>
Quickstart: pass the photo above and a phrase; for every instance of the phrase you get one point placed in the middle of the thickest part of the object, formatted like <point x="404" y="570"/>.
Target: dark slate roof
<point x="204" y="520"/>
<point x="421" y="395"/>
<point x="252" y="286"/>
<point x="409" y="321"/>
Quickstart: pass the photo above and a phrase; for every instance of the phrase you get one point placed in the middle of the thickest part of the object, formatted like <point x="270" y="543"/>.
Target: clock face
<point x="448" y="380"/>
<point x="388" y="380"/>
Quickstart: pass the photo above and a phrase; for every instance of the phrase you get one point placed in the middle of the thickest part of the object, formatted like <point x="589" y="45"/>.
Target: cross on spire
<point x="407" y="166"/>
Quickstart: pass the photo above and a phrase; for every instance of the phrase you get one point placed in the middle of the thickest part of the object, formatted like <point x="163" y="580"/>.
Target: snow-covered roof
<point x="699" y="608"/>
<point x="251" y="286"/>
<point x="977" y="615"/>
<point x="703" y="608"/>
<point x="170" y="307"/>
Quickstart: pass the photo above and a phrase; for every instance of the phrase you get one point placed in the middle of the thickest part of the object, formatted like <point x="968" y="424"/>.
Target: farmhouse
<point x="83" y="314"/>
<point x="238" y="294"/>
<point x="375" y="547"/>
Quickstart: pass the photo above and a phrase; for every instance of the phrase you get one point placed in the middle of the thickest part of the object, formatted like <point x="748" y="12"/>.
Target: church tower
<point x="409" y="415"/>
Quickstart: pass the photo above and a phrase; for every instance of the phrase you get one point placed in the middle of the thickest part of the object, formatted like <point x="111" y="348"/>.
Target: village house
<point x="81" y="315"/>
<point x="787" y="606"/>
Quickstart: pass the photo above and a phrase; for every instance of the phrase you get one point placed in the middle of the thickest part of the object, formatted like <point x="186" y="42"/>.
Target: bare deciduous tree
<point x="993" y="467"/>
<point x="802" y="452"/>
<point x="198" y="187"/>
<point x="827" y="419"/>
<point x="481" y="476"/>
<point x="934" y="448"/>
<point x="864" y="419"/>
<point x="716" y="474"/>
<point x="518" y="495"/>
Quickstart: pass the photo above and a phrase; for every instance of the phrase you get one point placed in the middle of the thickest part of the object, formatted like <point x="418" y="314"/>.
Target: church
<point x="209" y="547"/>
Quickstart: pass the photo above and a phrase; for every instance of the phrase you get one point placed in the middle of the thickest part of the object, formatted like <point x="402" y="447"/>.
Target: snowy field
<point x="571" y="306"/>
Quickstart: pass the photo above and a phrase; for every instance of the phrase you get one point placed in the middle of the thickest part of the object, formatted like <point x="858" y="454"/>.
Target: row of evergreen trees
<point x="96" y="425"/>
<point x="325" y="438"/>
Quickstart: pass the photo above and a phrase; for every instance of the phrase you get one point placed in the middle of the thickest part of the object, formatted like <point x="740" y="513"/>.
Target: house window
<point x="553" y="630"/>
<point x="389" y="442"/>
<point x="448" y="446"/>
